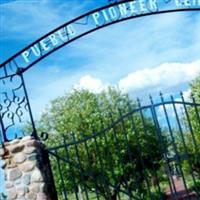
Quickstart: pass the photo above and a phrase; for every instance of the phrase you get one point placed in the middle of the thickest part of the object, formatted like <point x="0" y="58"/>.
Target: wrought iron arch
<point x="14" y="103"/>
<point x="85" y="24"/>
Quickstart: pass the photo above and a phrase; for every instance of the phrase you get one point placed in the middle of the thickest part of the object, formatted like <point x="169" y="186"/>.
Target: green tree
<point x="191" y="120"/>
<point x="195" y="87"/>
<point x="194" y="140"/>
<point x="123" y="157"/>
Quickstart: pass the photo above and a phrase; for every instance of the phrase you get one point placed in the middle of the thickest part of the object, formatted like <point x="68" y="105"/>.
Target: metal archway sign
<point x="96" y="19"/>
<point x="15" y="108"/>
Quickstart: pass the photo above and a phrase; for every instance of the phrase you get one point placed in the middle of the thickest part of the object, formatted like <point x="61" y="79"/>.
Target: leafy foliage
<point x="117" y="159"/>
<point x="193" y="140"/>
<point x="192" y="133"/>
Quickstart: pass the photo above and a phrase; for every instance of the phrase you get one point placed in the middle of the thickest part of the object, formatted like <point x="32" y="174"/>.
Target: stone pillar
<point x="27" y="170"/>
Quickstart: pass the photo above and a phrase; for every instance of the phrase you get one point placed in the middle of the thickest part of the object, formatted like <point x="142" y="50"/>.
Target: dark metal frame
<point x="172" y="158"/>
<point x="12" y="67"/>
<point x="12" y="61"/>
<point x="9" y="117"/>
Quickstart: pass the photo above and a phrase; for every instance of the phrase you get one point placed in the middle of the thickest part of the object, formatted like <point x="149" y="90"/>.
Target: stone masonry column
<point x="27" y="170"/>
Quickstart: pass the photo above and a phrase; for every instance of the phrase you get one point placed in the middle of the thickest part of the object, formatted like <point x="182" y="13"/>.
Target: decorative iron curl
<point x="14" y="107"/>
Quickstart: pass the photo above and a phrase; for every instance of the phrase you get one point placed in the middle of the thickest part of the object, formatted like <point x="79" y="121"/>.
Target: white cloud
<point x="90" y="83"/>
<point x="133" y="47"/>
<point x="161" y="77"/>
<point x="140" y="82"/>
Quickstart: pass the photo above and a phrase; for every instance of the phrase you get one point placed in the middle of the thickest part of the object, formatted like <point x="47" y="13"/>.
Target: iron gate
<point x="149" y="152"/>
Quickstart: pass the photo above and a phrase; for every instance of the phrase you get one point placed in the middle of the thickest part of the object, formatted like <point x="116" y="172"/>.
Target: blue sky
<point x="140" y="56"/>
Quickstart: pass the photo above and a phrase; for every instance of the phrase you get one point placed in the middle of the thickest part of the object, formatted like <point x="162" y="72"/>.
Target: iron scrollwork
<point x="15" y="110"/>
